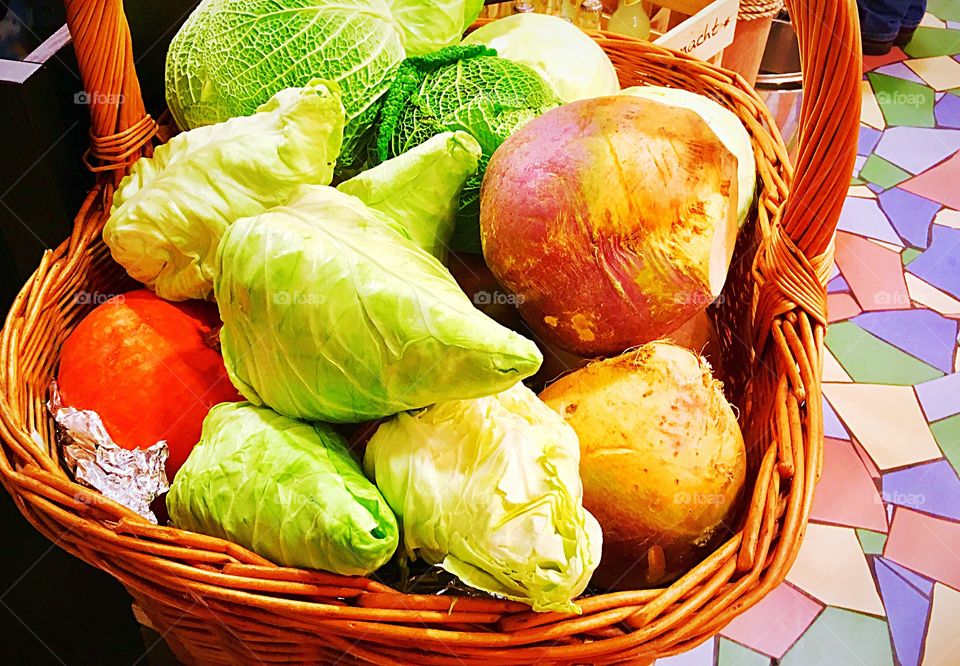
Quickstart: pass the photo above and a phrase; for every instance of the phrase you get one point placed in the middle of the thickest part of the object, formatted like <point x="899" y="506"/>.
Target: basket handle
<point x="121" y="130"/>
<point x="832" y="65"/>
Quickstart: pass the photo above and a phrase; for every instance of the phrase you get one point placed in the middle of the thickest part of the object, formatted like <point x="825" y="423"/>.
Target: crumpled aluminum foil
<point x="131" y="478"/>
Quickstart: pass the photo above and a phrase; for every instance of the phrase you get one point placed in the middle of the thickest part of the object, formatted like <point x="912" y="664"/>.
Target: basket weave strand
<point x="217" y="603"/>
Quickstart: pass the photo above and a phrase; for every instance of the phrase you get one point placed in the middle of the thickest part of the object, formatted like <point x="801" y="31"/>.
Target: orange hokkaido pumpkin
<point x="150" y="368"/>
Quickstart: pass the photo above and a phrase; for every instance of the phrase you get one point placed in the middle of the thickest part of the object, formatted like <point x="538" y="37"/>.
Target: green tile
<point x="842" y="638"/>
<point x="947" y="433"/>
<point x="883" y="173"/>
<point x="871" y="542"/>
<point x="856" y="181"/>
<point x="945" y="10"/>
<point x="903" y="102"/>
<point x="929" y="42"/>
<point x="868" y="359"/>
<point x="909" y="255"/>
<point x="734" y="654"/>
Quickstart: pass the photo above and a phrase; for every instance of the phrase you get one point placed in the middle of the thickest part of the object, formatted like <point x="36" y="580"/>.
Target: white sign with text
<point x="705" y="34"/>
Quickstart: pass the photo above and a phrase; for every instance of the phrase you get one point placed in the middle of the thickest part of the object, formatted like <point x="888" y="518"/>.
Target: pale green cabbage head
<point x="490" y="490"/>
<point x="430" y="25"/>
<point x="330" y="312"/>
<point x="170" y="212"/>
<point x="569" y="60"/>
<point x="420" y="188"/>
<point x="287" y="490"/>
<point x="725" y="124"/>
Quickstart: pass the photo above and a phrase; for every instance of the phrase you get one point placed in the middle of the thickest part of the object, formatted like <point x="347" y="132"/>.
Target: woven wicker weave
<point x="215" y="602"/>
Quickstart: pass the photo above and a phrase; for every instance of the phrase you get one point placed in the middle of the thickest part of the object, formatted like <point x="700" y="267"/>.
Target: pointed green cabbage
<point x="490" y="490"/>
<point x="172" y="209"/>
<point x="231" y="55"/>
<point x="420" y="188"/>
<point x="287" y="490"/>
<point x="330" y="313"/>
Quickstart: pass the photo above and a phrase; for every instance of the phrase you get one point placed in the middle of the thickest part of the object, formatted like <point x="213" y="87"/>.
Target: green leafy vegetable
<point x="569" y="60"/>
<point x="420" y="188"/>
<point x="231" y="55"/>
<point x="430" y="25"/>
<point x="330" y="312"/>
<point x="287" y="490"/>
<point x="463" y="88"/>
<point x="172" y="209"/>
<point x="490" y="490"/>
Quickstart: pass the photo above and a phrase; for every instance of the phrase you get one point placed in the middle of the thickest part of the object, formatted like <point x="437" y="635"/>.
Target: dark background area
<point x="54" y="608"/>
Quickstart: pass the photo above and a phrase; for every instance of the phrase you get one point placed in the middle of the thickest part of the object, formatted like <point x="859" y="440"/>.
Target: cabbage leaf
<point x="330" y="312"/>
<point x="231" y="55"/>
<point x="489" y="489"/>
<point x="420" y="188"/>
<point x="287" y="490"/>
<point x="431" y="25"/>
<point x="568" y="59"/>
<point x="170" y="212"/>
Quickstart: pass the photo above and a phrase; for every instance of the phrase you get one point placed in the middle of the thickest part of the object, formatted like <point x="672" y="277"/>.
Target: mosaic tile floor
<point x="877" y="578"/>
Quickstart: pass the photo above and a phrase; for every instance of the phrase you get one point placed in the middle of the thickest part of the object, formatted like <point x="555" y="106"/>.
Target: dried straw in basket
<point x="215" y="602"/>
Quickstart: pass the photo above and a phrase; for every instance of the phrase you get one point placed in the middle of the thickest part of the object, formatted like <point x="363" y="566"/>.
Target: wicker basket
<point x="215" y="602"/>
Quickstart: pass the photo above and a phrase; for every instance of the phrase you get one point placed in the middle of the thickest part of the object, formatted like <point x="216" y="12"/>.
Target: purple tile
<point x="873" y="187"/>
<point x="901" y="71"/>
<point x="931" y="488"/>
<point x="922" y="584"/>
<point x="922" y="333"/>
<point x="940" y="397"/>
<point x="947" y="111"/>
<point x="910" y="214"/>
<point x="869" y="137"/>
<point x="939" y="265"/>
<point x="906" y="613"/>
<point x="863" y="217"/>
<point x="837" y="284"/>
<point x="858" y="163"/>
<point x="916" y="149"/>
<point x="831" y="423"/>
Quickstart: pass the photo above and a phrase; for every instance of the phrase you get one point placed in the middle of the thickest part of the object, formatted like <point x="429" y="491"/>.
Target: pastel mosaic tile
<point x="947" y="434"/>
<point x="942" y="647"/>
<point x="874" y="273"/>
<point x="702" y="655"/>
<point x="871" y="542"/>
<point x="922" y="333"/>
<point x="882" y="173"/>
<point x="916" y="148"/>
<point x="905" y="606"/>
<point x="832" y="568"/>
<point x="867" y="358"/>
<point x="929" y="42"/>
<point x="903" y="102"/>
<point x="886" y="420"/>
<point x="846" y="494"/>
<point x="925" y="544"/>
<point x="734" y="654"/>
<point x="939" y="265"/>
<point x="775" y="623"/>
<point x="947" y="10"/>
<point x="842" y="638"/>
<point x="938" y="72"/>
<point x="910" y="214"/>
<point x="940" y="398"/>
<point x="931" y="488"/>
<point x="930" y="297"/>
<point x="939" y="183"/>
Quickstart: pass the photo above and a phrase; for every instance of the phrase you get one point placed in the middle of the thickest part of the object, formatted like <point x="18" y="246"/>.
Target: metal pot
<point x="780" y="82"/>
